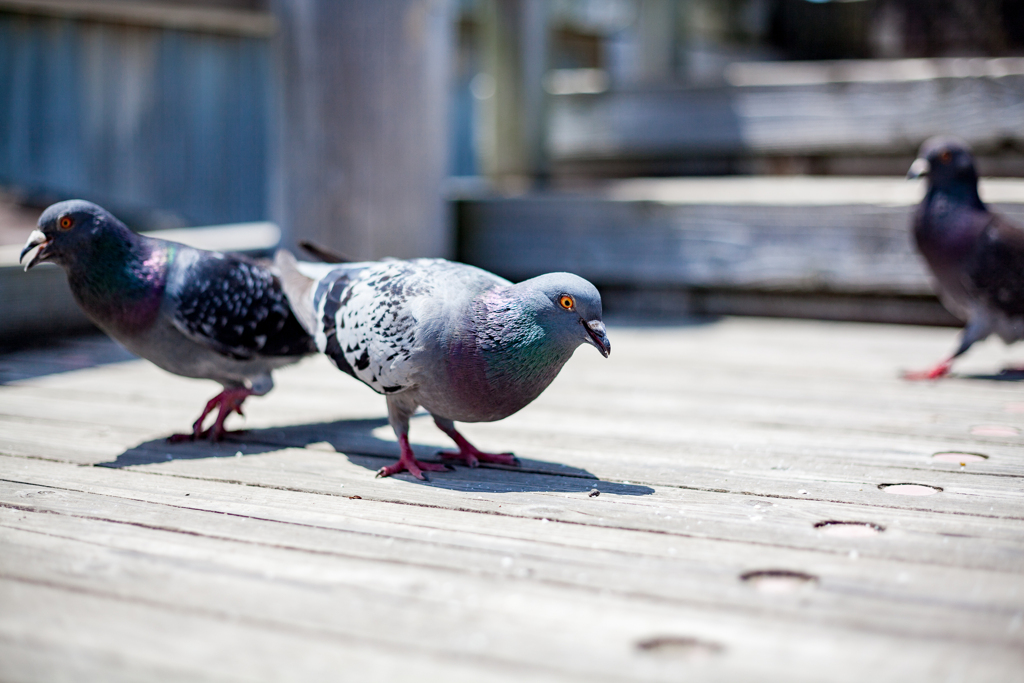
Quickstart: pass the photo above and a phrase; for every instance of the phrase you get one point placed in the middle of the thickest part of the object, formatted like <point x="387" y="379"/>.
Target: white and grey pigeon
<point x="976" y="256"/>
<point x="463" y="343"/>
<point x="194" y="313"/>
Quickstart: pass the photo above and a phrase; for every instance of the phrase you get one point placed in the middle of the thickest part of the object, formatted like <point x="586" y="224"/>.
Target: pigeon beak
<point x="919" y="168"/>
<point x="596" y="336"/>
<point x="36" y="239"/>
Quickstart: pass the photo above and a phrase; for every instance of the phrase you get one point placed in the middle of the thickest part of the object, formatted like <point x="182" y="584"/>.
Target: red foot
<point x="472" y="455"/>
<point x="229" y="401"/>
<point x="408" y="463"/>
<point x="940" y="370"/>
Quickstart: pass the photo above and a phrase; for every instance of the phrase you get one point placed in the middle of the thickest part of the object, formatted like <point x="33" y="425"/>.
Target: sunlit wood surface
<point x="666" y="524"/>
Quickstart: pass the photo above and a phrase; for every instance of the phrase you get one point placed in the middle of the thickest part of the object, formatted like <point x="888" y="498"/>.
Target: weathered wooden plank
<point x="236" y="649"/>
<point x="912" y="534"/>
<point x="383" y="580"/>
<point x="616" y="523"/>
<point x="51" y="632"/>
<point x="267" y="558"/>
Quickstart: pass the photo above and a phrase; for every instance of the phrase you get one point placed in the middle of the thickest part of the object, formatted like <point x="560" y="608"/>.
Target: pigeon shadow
<point x="1004" y="375"/>
<point x="354" y="439"/>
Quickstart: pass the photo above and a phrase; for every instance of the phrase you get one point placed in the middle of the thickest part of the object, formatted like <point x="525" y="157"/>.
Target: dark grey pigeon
<point x="466" y="345"/>
<point x="976" y="256"/>
<point x="194" y="313"/>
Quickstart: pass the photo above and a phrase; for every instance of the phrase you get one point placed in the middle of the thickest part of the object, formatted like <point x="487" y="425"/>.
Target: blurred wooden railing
<point x="844" y="118"/>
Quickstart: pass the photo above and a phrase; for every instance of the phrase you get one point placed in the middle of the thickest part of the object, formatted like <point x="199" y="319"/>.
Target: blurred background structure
<point x="707" y="156"/>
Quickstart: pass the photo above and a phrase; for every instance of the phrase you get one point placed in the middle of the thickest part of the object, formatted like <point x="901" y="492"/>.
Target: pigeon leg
<point x="230" y="403"/>
<point x="400" y="409"/>
<point x="940" y="370"/>
<point x="469" y="453"/>
<point x="229" y="400"/>
<point x="977" y="329"/>
<point x="197" y="426"/>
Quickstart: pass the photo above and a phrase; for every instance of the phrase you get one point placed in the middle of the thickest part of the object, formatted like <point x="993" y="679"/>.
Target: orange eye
<point x="946" y="157"/>
<point x="566" y="302"/>
<point x="65" y="223"/>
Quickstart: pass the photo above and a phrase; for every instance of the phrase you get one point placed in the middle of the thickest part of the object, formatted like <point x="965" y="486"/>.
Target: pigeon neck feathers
<point x="954" y="194"/>
<point x="518" y="354"/>
<point x="118" y="277"/>
<point x="950" y="219"/>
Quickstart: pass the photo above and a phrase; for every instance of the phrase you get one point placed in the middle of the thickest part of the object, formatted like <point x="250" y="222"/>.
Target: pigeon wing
<point x="367" y="326"/>
<point x="234" y="306"/>
<point x="371" y="323"/>
<point x="996" y="267"/>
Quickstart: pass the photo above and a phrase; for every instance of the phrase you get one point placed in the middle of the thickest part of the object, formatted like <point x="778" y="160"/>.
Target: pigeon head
<point x="69" y="231"/>
<point x="569" y="309"/>
<point x="946" y="161"/>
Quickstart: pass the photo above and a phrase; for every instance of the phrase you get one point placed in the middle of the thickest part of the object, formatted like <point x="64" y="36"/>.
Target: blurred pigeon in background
<point x="463" y="343"/>
<point x="194" y="313"/>
<point x="976" y="256"/>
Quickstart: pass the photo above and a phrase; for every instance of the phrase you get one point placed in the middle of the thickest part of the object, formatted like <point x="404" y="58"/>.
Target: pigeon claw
<point x="470" y="454"/>
<point x="939" y="371"/>
<point x="181" y="438"/>
<point x="416" y="468"/>
<point x="473" y="457"/>
<point x="227" y="402"/>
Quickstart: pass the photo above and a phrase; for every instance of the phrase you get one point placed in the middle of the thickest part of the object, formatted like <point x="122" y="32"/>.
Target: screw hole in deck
<point x="849" y="529"/>
<point x="680" y="646"/>
<point x="777" y="581"/>
<point x="959" y="457"/>
<point x="907" y="489"/>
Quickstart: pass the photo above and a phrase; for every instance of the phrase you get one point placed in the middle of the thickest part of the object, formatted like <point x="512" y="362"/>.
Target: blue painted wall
<point x="136" y="117"/>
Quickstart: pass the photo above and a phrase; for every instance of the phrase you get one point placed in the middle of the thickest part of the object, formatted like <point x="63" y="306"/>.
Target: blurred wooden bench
<point x="793" y="246"/>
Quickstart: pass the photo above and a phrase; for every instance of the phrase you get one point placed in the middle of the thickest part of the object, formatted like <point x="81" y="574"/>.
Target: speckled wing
<point x="369" y="315"/>
<point x="996" y="268"/>
<point x="232" y="305"/>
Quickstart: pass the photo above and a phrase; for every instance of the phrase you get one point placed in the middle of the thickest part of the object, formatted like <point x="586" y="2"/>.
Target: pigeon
<point x="975" y="256"/>
<point x="194" y="313"/>
<point x="461" y="342"/>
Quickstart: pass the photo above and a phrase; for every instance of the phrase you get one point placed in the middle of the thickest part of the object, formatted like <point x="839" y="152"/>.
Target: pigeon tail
<point x="298" y="288"/>
<point x="322" y="253"/>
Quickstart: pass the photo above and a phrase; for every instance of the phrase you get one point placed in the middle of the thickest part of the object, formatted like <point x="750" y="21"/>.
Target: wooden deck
<point x="669" y="522"/>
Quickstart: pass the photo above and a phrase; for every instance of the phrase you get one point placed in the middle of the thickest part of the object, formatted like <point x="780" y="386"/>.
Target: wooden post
<point x="656" y="41"/>
<point x="515" y="51"/>
<point x="362" y="140"/>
